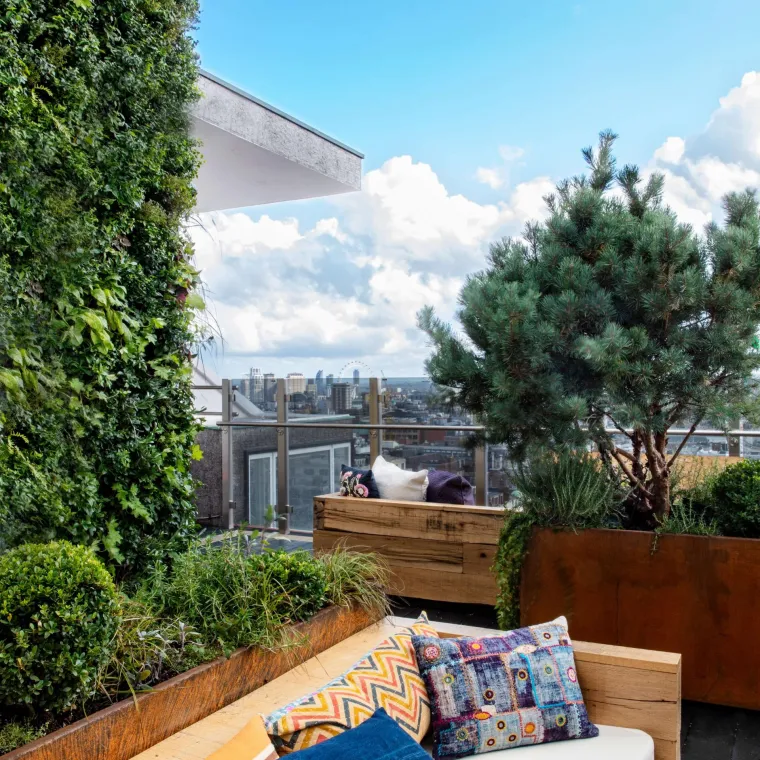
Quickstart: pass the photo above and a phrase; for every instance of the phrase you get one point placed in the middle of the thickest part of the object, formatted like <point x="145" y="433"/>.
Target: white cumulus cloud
<point x="349" y="285"/>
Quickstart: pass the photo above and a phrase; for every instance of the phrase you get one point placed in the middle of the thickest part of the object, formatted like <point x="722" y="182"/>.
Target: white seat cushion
<point x="612" y="744"/>
<point x="399" y="485"/>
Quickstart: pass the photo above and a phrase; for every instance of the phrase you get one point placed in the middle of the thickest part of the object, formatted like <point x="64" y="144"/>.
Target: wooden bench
<point x="442" y="552"/>
<point x="630" y="688"/>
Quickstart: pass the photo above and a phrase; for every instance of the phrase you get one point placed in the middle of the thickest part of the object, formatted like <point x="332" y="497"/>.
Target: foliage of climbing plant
<point x="510" y="553"/>
<point x="96" y="170"/>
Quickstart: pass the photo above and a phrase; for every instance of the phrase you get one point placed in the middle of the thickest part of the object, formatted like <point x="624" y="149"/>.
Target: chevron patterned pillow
<point x="387" y="677"/>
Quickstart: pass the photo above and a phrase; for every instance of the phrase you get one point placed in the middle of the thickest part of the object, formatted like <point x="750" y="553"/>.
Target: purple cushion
<point x="447" y="488"/>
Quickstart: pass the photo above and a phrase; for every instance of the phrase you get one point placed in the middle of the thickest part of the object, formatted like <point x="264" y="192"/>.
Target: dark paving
<point x="708" y="732"/>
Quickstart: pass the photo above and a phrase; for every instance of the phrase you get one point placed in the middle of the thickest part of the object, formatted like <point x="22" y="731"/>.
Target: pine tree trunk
<point x="656" y="446"/>
<point x="661" y="496"/>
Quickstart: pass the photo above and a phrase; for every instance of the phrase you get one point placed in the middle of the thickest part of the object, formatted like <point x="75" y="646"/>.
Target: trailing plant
<point x="610" y="313"/>
<point x="96" y="170"/>
<point x="510" y="554"/>
<point x="562" y="490"/>
<point x="58" y="617"/>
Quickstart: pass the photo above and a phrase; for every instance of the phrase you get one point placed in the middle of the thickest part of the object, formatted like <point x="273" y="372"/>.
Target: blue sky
<point x="450" y="83"/>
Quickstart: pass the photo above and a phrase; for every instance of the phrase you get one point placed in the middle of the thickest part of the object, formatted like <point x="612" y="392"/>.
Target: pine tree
<point x="609" y="314"/>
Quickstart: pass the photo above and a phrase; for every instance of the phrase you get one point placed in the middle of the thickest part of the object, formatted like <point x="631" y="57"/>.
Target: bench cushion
<point x="612" y="744"/>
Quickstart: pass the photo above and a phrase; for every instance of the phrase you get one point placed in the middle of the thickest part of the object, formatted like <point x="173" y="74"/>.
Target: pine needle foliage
<point x="609" y="313"/>
<point x="96" y="170"/>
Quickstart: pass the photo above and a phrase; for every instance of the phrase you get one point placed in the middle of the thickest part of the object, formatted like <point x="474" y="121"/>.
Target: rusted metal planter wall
<point x="695" y="595"/>
<point x="125" y="729"/>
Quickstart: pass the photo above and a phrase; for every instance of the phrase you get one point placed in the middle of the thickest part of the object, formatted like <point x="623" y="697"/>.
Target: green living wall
<point x="96" y="165"/>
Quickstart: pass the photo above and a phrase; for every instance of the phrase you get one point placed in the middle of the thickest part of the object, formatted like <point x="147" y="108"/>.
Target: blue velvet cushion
<point x="378" y="738"/>
<point x="359" y="483"/>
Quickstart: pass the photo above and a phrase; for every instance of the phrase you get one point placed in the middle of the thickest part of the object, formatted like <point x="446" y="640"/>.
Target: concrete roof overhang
<point x="256" y="154"/>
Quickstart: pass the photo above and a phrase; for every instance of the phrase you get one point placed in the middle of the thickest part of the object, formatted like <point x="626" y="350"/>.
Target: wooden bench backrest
<point x="623" y="687"/>
<point x="435" y="551"/>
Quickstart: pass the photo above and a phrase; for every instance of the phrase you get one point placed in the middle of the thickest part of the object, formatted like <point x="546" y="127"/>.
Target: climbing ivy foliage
<point x="96" y="166"/>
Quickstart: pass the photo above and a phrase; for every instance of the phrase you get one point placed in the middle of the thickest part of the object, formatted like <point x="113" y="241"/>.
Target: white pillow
<point x="397" y="484"/>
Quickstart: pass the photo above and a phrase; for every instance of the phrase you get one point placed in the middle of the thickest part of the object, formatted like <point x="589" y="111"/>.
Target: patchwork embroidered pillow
<point x="359" y="483"/>
<point x="387" y="677"/>
<point x="251" y="743"/>
<point x="505" y="691"/>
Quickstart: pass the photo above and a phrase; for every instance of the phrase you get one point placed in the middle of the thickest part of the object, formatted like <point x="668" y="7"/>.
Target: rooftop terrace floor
<point x="708" y="732"/>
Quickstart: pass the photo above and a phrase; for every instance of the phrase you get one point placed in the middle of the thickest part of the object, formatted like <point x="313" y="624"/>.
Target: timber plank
<point x="436" y="556"/>
<point x="477" y="559"/>
<point x="644" y="659"/>
<point x="441" y="522"/>
<point x="448" y="587"/>
<point x="624" y="696"/>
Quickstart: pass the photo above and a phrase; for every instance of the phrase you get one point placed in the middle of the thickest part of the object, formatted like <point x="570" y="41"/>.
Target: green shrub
<point x="565" y="490"/>
<point x="96" y="325"/>
<point x="58" y="616"/>
<point x="734" y="500"/>
<point x="148" y="649"/>
<point x="298" y="579"/>
<point x="17" y="733"/>
<point x="233" y="598"/>
<point x="688" y="517"/>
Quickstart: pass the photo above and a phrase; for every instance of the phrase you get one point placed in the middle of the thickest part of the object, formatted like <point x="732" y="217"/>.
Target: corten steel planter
<point x="696" y="595"/>
<point x="125" y="729"/>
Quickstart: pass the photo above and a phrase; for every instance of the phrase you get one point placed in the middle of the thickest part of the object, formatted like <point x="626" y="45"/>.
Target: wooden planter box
<point x="441" y="552"/>
<point x="690" y="594"/>
<point x="125" y="729"/>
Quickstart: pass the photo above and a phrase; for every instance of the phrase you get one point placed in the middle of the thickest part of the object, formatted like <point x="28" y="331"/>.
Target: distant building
<point x="252" y="386"/>
<point x="270" y="386"/>
<point x="342" y="397"/>
<point x="330" y="381"/>
<point x="296" y="383"/>
<point x="356" y="377"/>
<point x="320" y="382"/>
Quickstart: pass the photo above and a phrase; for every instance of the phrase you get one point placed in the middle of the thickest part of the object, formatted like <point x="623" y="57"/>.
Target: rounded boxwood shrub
<point x="58" y="616"/>
<point x="299" y="579"/>
<point x="735" y="500"/>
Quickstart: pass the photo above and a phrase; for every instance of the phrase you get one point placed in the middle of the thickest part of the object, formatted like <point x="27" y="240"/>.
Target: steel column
<point x="228" y="504"/>
<point x="283" y="469"/>
<point x="735" y="442"/>
<point x="375" y="418"/>
<point x="481" y="475"/>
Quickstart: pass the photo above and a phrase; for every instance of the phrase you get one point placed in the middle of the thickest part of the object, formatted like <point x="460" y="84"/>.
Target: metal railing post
<point x="734" y="441"/>
<point x="283" y="471"/>
<point x="228" y="505"/>
<point x="375" y="418"/>
<point x="481" y="475"/>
